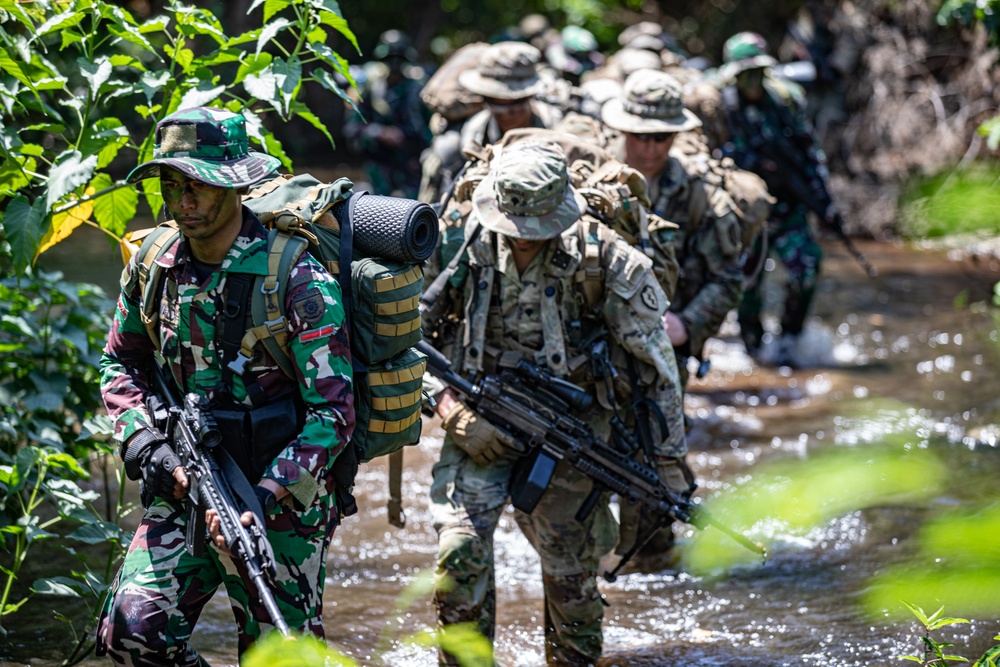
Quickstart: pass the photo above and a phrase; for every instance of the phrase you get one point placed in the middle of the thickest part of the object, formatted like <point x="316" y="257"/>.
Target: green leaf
<point x="287" y="75"/>
<point x="263" y="86"/>
<point x="125" y="60"/>
<point x="303" y="112"/>
<point x="132" y="36"/>
<point x="326" y="80"/>
<point x="152" y="82"/>
<point x="96" y="73"/>
<point x="274" y="148"/>
<point x="272" y="7"/>
<point x="252" y="65"/>
<point x="24" y="228"/>
<point x="334" y="19"/>
<point x="9" y="66"/>
<point x="104" y="138"/>
<point x="60" y="21"/>
<point x="270" y="31"/>
<point x="72" y="171"/>
<point x="97" y="533"/>
<point x="114" y="210"/>
<point x="13" y="176"/>
<point x="202" y="94"/>
<point x="58" y="586"/>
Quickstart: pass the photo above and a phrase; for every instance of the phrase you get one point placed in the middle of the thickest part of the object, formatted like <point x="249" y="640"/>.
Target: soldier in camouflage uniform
<point x="392" y="128"/>
<point x="507" y="78"/>
<point x="202" y="159"/>
<point x="769" y="135"/>
<point x="708" y="243"/>
<point x="522" y="299"/>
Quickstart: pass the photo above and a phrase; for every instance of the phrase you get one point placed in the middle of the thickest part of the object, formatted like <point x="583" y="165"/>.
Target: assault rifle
<point x="536" y="408"/>
<point x="196" y="440"/>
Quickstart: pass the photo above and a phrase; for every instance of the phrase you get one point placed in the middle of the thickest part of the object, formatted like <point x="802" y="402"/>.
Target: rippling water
<point x="902" y="351"/>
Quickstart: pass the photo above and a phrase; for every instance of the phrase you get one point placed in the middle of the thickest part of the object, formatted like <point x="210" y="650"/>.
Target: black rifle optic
<point x="536" y="408"/>
<point x="196" y="440"/>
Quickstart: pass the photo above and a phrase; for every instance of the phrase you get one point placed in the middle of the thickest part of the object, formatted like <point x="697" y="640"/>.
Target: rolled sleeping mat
<point x="405" y="230"/>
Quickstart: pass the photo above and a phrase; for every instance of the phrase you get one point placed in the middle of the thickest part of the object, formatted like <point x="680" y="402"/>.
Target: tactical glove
<point x="474" y="435"/>
<point x="149" y="457"/>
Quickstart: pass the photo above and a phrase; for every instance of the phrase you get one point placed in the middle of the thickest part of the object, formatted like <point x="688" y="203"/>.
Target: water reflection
<point x="888" y="354"/>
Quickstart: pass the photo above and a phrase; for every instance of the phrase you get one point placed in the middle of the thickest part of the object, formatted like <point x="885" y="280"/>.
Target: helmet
<point x="744" y="45"/>
<point x="395" y="44"/>
<point x="744" y="51"/>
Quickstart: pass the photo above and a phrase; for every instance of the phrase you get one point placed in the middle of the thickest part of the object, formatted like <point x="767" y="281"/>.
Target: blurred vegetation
<point x="960" y="202"/>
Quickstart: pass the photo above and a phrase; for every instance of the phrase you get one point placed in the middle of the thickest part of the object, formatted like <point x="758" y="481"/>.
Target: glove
<point x="474" y="435"/>
<point x="150" y="458"/>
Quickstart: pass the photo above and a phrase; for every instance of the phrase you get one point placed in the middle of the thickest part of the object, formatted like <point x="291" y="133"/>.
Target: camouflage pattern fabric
<point x="209" y="145"/>
<point x="709" y="250"/>
<point x="790" y="239"/>
<point x="390" y="102"/>
<point x="531" y="315"/>
<point x="190" y="343"/>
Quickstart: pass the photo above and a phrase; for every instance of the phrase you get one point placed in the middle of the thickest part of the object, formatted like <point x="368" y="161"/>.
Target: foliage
<point x="969" y="12"/>
<point x="953" y="203"/>
<point x="65" y="64"/>
<point x="469" y="647"/>
<point x="934" y="655"/>
<point x="51" y="334"/>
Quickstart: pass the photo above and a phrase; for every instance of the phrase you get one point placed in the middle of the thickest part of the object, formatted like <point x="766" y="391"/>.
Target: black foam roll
<point x="405" y="230"/>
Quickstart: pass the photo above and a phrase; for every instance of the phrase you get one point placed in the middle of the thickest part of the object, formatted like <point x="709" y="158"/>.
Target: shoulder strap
<point x="589" y="275"/>
<point x="151" y="276"/>
<point x="267" y="302"/>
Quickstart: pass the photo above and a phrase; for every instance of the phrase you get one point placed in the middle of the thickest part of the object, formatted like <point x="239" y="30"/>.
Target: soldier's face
<point x="751" y="84"/>
<point x="509" y="114"/>
<point x="648" y="152"/>
<point x="199" y="209"/>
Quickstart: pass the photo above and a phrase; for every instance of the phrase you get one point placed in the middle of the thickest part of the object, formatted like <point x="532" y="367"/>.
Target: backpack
<point x="444" y="95"/>
<point x="387" y="239"/>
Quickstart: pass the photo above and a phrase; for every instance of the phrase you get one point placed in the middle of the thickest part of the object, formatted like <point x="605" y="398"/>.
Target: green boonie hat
<point x="744" y="51"/>
<point x="527" y="194"/>
<point x="506" y="71"/>
<point x="208" y="145"/>
<point x="651" y="101"/>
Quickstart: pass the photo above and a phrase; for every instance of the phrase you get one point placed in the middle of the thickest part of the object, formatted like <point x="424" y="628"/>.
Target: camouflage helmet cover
<point x="506" y="71"/>
<point x="527" y="193"/>
<point x="744" y="51"/>
<point x="208" y="145"/>
<point x="651" y="101"/>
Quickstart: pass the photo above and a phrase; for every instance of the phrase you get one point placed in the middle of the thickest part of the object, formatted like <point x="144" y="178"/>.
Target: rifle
<point x="195" y="438"/>
<point x="536" y="408"/>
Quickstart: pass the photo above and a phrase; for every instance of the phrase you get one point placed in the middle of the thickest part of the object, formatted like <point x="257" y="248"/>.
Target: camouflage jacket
<point x="708" y="246"/>
<point x="190" y="344"/>
<point x="544" y="317"/>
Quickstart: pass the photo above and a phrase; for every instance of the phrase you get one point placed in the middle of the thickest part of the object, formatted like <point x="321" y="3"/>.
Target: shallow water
<point x="902" y="350"/>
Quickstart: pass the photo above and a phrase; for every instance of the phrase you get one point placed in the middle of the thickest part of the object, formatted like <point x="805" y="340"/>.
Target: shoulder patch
<point x="310" y="306"/>
<point x="649" y="298"/>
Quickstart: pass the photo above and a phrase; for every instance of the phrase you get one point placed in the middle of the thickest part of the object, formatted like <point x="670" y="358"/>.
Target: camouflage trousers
<point x="161" y="590"/>
<point x="790" y="239"/>
<point x="467" y="502"/>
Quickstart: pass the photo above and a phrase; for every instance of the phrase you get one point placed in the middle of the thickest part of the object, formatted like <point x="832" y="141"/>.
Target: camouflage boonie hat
<point x="630" y="60"/>
<point x="208" y="145"/>
<point x="506" y="71"/>
<point x="647" y="35"/>
<point x="650" y="103"/>
<point x="743" y="51"/>
<point x="528" y="194"/>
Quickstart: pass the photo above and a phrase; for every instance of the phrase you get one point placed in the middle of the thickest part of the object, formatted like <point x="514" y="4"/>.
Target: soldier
<point x="521" y="299"/>
<point x="708" y="244"/>
<point x="507" y="79"/>
<point x="392" y="128"/>
<point x="769" y="135"/>
<point x="300" y="428"/>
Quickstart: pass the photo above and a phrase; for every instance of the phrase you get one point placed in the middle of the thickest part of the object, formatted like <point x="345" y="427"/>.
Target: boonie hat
<point x="651" y="101"/>
<point x="744" y="51"/>
<point x="208" y="145"/>
<point x="528" y="194"/>
<point x="506" y="71"/>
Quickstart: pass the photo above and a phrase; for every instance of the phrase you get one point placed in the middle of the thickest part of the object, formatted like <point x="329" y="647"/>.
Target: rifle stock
<point x="541" y="418"/>
<point x="196" y="441"/>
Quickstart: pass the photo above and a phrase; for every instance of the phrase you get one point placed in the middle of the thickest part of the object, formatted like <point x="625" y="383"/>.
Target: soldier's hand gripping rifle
<point x="536" y="408"/>
<point x="196" y="440"/>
